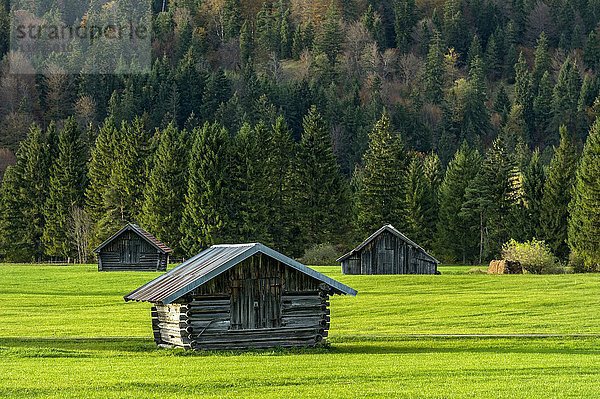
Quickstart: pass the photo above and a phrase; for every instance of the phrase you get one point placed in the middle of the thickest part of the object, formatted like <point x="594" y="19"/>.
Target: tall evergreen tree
<point x="524" y="89"/>
<point x="557" y="194"/>
<point x="542" y="61"/>
<point x="329" y="38"/>
<point x="382" y="194"/>
<point x="456" y="238"/>
<point x="542" y="111"/>
<point x="165" y="188"/>
<point x="533" y="184"/>
<point x="434" y="71"/>
<point x="68" y="179"/>
<point x="405" y="20"/>
<point x="24" y="188"/>
<point x="489" y="198"/>
<point x="323" y="197"/>
<point x="584" y="218"/>
<point x="123" y="195"/>
<point x="566" y="97"/>
<point x="420" y="204"/>
<point x="204" y="214"/>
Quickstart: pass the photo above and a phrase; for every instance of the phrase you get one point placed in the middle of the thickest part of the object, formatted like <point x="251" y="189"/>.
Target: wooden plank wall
<point x="258" y="304"/>
<point x="389" y="254"/>
<point x="150" y="259"/>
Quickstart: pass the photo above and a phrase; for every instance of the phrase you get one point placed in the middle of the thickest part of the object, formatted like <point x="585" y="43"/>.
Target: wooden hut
<point x="387" y="251"/>
<point x="239" y="297"/>
<point x="133" y="249"/>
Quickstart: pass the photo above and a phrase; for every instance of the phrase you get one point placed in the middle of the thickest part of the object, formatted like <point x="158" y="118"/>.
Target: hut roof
<point x="142" y="233"/>
<point x="210" y="263"/>
<point x="394" y="231"/>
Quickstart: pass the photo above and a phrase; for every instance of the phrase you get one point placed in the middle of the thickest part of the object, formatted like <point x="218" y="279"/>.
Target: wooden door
<point x="255" y="303"/>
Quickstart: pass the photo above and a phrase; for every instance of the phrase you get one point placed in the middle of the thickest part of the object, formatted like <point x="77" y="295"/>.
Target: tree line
<point x="202" y="185"/>
<point x="461" y="87"/>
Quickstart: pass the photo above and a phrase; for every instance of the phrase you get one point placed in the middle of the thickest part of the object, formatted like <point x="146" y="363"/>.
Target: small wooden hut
<point x="132" y="249"/>
<point x="238" y="297"/>
<point x="387" y="251"/>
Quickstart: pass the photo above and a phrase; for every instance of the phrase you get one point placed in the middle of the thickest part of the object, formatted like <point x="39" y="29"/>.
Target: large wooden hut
<point x="238" y="297"/>
<point x="133" y="249"/>
<point x="388" y="251"/>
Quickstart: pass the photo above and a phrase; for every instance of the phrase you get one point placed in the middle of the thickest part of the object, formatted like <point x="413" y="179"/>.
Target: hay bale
<point x="505" y="267"/>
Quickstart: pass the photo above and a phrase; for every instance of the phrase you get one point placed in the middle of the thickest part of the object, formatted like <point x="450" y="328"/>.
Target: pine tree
<point x="100" y="167"/>
<point x="246" y="44"/>
<point x="405" y="20"/>
<point x="492" y="61"/>
<point x="204" y="214"/>
<point x="502" y="104"/>
<point x="542" y="111"/>
<point x="584" y="218"/>
<point x="489" y="198"/>
<point x="542" y="61"/>
<point x="557" y="194"/>
<point x="533" y="185"/>
<point x="524" y="89"/>
<point x="323" y="197"/>
<point x="66" y="192"/>
<point x="330" y="37"/>
<point x="421" y="208"/>
<point x="475" y="50"/>
<point x="165" y="189"/>
<point x="591" y="55"/>
<point x="123" y="193"/>
<point x="565" y="97"/>
<point x="232" y="23"/>
<point x="24" y="187"/>
<point x="381" y="198"/>
<point x="476" y="122"/>
<point x="434" y="71"/>
<point x="457" y="236"/>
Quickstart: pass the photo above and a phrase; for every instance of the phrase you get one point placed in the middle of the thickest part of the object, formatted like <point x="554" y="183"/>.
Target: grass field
<point x="66" y="332"/>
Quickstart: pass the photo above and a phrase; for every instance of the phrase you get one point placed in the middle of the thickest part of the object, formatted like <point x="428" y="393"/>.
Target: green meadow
<point x="65" y="332"/>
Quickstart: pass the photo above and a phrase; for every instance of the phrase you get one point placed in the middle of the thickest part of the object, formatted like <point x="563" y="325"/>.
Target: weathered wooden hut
<point x="387" y="251"/>
<point x="238" y="297"/>
<point x="133" y="249"/>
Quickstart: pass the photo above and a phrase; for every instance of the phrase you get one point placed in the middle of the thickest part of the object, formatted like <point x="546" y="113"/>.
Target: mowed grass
<point x="66" y="332"/>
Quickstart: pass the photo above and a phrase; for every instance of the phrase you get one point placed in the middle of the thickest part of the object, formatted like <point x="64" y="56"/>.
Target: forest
<point x="464" y="123"/>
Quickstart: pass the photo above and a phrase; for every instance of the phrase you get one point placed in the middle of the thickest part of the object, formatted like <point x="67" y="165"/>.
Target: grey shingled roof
<point x="394" y="231"/>
<point x="209" y="264"/>
<point x="142" y="233"/>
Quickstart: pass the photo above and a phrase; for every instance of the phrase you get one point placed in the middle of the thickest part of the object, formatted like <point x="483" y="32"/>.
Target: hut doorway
<point x="255" y="303"/>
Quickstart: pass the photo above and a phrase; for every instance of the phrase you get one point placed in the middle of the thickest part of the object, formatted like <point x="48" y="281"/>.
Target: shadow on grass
<point x="29" y="347"/>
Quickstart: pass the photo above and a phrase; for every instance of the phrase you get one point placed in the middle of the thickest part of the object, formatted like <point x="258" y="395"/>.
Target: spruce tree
<point x="382" y="195"/>
<point x="68" y="180"/>
<point x="24" y="188"/>
<point x="533" y="185"/>
<point x="542" y="61"/>
<point x="557" y="194"/>
<point x="591" y="54"/>
<point x="492" y="61"/>
<point x="405" y="20"/>
<point x="565" y="97"/>
<point x="323" y="196"/>
<point x="165" y="188"/>
<point x="524" y="89"/>
<point x="123" y="193"/>
<point x="329" y="38"/>
<point x="489" y="198"/>
<point x="457" y="236"/>
<point x="542" y="111"/>
<point x="99" y="170"/>
<point x="502" y="104"/>
<point x="584" y="218"/>
<point x="204" y="219"/>
<point x="421" y="208"/>
<point x="434" y="71"/>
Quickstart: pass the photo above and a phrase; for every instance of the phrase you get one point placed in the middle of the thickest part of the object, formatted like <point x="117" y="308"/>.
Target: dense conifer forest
<point x="464" y="123"/>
